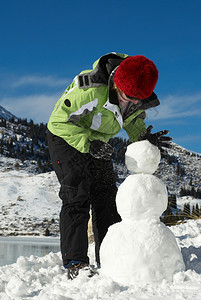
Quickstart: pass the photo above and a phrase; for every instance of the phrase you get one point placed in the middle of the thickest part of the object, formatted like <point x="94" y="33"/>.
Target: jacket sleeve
<point x="68" y="122"/>
<point x="136" y="127"/>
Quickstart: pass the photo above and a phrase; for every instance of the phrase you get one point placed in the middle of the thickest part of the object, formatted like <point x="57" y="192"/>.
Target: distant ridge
<point x="5" y="114"/>
<point x="23" y="140"/>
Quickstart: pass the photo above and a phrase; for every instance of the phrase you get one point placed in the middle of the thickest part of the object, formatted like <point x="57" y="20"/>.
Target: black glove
<point x="158" y="139"/>
<point x="100" y="150"/>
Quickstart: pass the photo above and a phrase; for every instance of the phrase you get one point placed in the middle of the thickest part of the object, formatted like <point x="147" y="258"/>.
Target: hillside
<point x="180" y="168"/>
<point x="27" y="180"/>
<point x="29" y="202"/>
<point x="24" y="141"/>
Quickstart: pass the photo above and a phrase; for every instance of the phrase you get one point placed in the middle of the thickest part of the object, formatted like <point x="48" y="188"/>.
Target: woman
<point x="93" y="109"/>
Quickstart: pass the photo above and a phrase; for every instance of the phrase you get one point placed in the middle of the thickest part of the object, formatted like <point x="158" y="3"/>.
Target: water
<point x="13" y="247"/>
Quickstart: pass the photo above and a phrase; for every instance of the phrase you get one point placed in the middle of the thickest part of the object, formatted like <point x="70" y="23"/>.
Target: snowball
<point x="142" y="157"/>
<point x="142" y="251"/>
<point x="141" y="196"/>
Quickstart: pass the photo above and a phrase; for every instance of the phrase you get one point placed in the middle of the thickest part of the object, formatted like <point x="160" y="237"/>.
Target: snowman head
<point x="142" y="157"/>
<point x="141" y="196"/>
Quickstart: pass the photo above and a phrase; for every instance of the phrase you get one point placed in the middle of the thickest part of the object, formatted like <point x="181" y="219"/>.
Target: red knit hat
<point x="136" y="76"/>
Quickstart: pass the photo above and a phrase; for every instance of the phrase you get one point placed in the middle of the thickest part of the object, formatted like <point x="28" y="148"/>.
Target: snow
<point x="44" y="277"/>
<point x="26" y="197"/>
<point x="29" y="203"/>
<point x="142" y="157"/>
<point x="141" y="196"/>
<point x="141" y="248"/>
<point x="146" y="252"/>
<point x="5" y="114"/>
<point x="187" y="199"/>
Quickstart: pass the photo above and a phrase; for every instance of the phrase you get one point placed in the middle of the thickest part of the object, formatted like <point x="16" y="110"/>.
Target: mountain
<point x="24" y="141"/>
<point x="6" y="114"/>
<point x="23" y="146"/>
<point x="180" y="168"/>
<point x="29" y="202"/>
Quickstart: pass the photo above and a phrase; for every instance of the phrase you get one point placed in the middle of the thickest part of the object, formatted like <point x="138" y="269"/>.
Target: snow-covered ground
<point x="30" y="204"/>
<point x="187" y="199"/>
<point x="44" y="277"/>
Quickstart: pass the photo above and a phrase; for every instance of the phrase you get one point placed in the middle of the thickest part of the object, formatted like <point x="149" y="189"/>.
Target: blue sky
<point x="45" y="43"/>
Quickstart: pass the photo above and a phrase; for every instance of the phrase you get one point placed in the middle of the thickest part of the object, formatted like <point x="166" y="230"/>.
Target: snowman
<point x="141" y="248"/>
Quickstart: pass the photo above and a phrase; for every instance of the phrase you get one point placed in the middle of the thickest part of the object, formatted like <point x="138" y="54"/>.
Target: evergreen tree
<point x="193" y="212"/>
<point x="178" y="169"/>
<point x="197" y="210"/>
<point x="182" y="192"/>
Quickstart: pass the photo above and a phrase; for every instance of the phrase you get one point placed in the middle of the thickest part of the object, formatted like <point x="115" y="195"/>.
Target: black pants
<point x="85" y="182"/>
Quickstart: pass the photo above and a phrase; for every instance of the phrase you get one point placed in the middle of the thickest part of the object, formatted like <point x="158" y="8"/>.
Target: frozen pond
<point x="13" y="247"/>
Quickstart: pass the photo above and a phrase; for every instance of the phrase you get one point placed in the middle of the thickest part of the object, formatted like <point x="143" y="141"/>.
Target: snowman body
<point x="141" y="248"/>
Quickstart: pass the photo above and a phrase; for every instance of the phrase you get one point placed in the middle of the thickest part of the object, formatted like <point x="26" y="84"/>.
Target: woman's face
<point x="123" y="97"/>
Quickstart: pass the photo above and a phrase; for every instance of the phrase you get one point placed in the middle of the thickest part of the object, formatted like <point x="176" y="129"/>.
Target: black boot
<point x="73" y="270"/>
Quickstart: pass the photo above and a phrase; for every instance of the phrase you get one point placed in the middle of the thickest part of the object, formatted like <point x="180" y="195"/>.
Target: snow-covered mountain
<point x="178" y="169"/>
<point x="6" y="114"/>
<point x="181" y="168"/>
<point x="30" y="206"/>
<point x="24" y="140"/>
<point x="29" y="202"/>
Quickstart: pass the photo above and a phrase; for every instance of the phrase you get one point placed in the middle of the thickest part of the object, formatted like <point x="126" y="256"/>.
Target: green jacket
<point x="89" y="108"/>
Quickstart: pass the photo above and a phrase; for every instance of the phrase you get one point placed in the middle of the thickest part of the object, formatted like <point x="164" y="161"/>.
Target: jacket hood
<point x="102" y="69"/>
